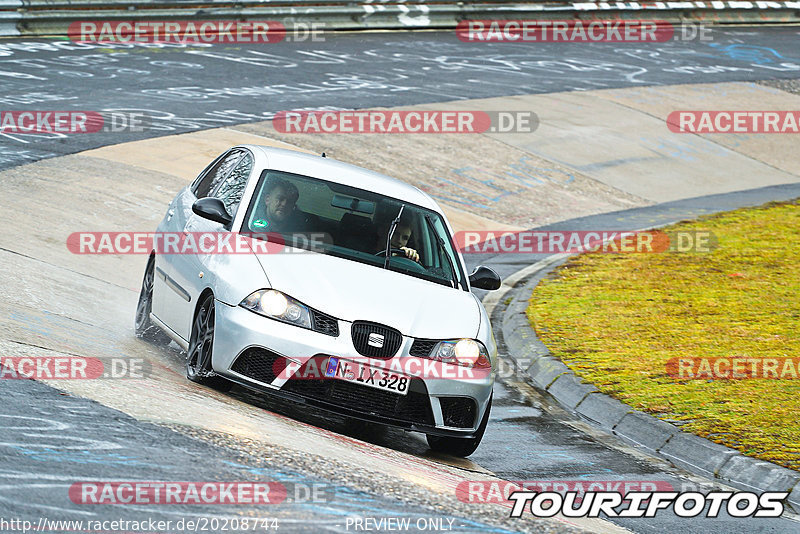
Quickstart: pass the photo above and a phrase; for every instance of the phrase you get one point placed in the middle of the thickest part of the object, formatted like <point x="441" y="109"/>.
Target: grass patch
<point x="616" y="319"/>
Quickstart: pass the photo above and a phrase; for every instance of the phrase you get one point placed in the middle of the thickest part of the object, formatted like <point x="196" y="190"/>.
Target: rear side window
<point x="216" y="173"/>
<point x="231" y="189"/>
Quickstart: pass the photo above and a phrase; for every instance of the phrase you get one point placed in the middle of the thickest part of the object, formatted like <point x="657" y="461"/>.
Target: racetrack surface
<point x="197" y="87"/>
<point x="165" y="427"/>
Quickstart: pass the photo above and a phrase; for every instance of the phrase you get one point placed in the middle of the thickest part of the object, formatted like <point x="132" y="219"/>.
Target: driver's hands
<point x="410" y="253"/>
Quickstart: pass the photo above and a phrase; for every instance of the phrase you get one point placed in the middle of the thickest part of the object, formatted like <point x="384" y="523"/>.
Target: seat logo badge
<point x="375" y="340"/>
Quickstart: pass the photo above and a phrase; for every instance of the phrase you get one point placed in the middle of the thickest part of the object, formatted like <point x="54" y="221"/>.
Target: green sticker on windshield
<point x="260" y="223"/>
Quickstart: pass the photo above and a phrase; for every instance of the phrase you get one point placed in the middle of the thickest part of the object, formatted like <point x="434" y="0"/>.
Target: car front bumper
<point x="238" y="330"/>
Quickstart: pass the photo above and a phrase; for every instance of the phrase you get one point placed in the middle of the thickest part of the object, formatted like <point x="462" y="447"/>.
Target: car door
<point x="230" y="191"/>
<point x="171" y="266"/>
<point x="172" y="224"/>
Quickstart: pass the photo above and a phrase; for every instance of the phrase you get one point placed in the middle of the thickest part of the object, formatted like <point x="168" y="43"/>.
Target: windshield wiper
<point x="442" y="247"/>
<point x="392" y="228"/>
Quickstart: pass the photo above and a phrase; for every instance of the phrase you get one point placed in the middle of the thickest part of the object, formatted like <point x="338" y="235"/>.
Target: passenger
<point x="400" y="237"/>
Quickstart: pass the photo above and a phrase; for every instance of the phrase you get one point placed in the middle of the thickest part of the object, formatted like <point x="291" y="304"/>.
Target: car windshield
<point x="354" y="224"/>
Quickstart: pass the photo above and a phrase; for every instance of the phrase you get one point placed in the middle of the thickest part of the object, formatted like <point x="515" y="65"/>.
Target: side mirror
<point x="484" y="278"/>
<point x="212" y="209"/>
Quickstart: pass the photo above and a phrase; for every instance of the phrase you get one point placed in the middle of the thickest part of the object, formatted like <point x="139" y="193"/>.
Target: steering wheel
<point x="402" y="260"/>
<point x="393" y="251"/>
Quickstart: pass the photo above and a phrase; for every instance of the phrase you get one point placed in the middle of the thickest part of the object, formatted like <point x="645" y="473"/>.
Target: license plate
<point x="368" y="376"/>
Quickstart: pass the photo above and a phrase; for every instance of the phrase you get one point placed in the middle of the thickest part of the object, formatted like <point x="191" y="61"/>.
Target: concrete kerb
<point x="570" y="390"/>
<point x="603" y="410"/>
<point x="696" y="454"/>
<point x="794" y="498"/>
<point x="645" y="430"/>
<point x="744" y="471"/>
<point x="690" y="452"/>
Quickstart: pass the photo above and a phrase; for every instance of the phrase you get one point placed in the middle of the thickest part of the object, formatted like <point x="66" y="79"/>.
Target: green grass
<point x="616" y="319"/>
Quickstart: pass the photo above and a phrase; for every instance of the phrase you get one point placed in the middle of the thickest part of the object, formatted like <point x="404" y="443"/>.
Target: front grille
<point x="325" y="324"/>
<point x="413" y="408"/>
<point x="390" y="338"/>
<point x="458" y="412"/>
<point x="259" y="364"/>
<point x="422" y="348"/>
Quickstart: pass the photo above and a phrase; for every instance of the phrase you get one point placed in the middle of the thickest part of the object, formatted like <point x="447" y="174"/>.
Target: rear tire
<point x="201" y="344"/>
<point x="462" y="447"/>
<point x="143" y="325"/>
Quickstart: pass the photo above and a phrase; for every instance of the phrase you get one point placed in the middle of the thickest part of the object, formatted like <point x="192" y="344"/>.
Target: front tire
<point x="462" y="447"/>
<point x="143" y="325"/>
<point x="201" y="344"/>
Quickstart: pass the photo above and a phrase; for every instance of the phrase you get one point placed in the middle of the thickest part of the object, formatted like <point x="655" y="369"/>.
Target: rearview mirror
<point x="353" y="204"/>
<point x="484" y="278"/>
<point x="212" y="209"/>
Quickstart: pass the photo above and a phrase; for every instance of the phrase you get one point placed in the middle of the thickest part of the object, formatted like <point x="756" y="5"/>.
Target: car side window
<point x="216" y="174"/>
<point x="196" y="181"/>
<point x="231" y="189"/>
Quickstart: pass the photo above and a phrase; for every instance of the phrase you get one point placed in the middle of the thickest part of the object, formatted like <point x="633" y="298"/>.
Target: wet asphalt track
<point x="185" y="88"/>
<point x="62" y="439"/>
<point x="204" y="87"/>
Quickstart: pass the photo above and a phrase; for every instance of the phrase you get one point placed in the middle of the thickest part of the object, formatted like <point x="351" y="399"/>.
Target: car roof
<point x="339" y="172"/>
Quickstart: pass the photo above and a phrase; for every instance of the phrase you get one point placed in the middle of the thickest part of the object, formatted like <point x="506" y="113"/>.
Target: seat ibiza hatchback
<point x="326" y="284"/>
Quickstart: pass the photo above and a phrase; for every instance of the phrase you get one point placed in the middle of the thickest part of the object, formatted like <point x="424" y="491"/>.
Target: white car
<point x="326" y="316"/>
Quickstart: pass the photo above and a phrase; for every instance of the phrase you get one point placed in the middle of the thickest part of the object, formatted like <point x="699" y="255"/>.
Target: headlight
<point x="465" y="352"/>
<point x="276" y="305"/>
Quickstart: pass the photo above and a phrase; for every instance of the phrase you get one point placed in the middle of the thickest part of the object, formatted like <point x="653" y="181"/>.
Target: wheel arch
<point x="200" y="298"/>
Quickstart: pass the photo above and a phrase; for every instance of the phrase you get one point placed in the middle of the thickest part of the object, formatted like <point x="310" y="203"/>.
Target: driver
<point x="402" y="233"/>
<point x="280" y="201"/>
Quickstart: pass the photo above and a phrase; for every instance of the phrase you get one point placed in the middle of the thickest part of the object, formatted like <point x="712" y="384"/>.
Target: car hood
<point x="354" y="291"/>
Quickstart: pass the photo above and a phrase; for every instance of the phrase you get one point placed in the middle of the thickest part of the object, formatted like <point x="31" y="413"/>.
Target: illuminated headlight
<point x="465" y="352"/>
<point x="276" y="305"/>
